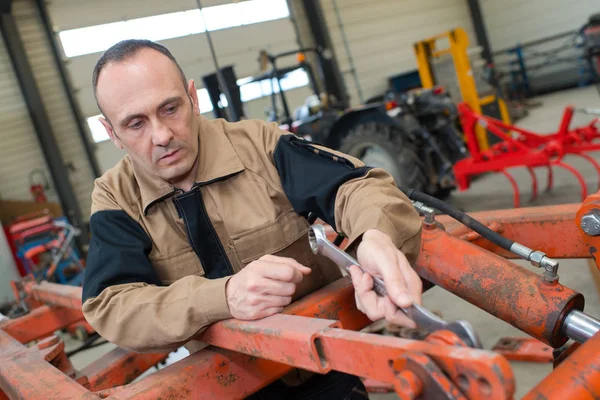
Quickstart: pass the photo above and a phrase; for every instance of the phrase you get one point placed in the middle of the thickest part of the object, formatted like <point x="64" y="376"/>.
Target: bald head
<point x="125" y="50"/>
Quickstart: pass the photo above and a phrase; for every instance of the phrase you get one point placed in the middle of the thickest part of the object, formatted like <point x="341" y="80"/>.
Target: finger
<point x="394" y="281"/>
<point x="413" y="281"/>
<point x="354" y="274"/>
<point x="280" y="272"/>
<point x="365" y="283"/>
<point x="288" y="261"/>
<point x="371" y="305"/>
<point x="277" y="288"/>
<point x="395" y="315"/>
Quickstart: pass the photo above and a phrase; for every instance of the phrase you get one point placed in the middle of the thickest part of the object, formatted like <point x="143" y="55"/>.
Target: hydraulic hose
<point x="461" y="217"/>
<point x="537" y="258"/>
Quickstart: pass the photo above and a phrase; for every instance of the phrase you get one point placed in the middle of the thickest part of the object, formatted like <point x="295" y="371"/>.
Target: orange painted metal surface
<point x="577" y="377"/>
<point x="318" y="346"/>
<point x="219" y="373"/>
<point x="40" y="322"/>
<point x="524" y="349"/>
<point x="591" y="243"/>
<point x="371" y="355"/>
<point x="551" y="229"/>
<point x="55" y="294"/>
<point x="29" y="375"/>
<point x="408" y="385"/>
<point x="119" y="367"/>
<point x="434" y="383"/>
<point x="288" y="339"/>
<point x="496" y="285"/>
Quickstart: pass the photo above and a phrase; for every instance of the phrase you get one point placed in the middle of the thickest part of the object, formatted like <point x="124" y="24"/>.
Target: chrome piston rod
<point x="579" y="326"/>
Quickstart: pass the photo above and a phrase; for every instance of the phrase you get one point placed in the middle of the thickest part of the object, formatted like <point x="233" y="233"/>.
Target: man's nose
<point x="161" y="135"/>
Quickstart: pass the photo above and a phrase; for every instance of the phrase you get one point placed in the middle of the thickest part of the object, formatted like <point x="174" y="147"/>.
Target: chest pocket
<point x="271" y="237"/>
<point x="176" y="266"/>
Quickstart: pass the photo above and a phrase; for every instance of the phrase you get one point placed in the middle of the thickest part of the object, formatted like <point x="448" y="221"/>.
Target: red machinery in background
<point x="522" y="148"/>
<point x="319" y="332"/>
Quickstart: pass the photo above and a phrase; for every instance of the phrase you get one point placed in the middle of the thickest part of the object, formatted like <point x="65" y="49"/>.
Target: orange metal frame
<point x="319" y="332"/>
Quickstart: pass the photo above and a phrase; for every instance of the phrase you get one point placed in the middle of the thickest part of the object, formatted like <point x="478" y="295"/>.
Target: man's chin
<point x="174" y="174"/>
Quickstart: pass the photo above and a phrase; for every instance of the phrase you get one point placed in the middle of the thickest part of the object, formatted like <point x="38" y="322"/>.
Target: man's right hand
<point x="264" y="287"/>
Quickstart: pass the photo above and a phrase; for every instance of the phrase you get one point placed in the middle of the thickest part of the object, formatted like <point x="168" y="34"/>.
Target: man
<point x="207" y="220"/>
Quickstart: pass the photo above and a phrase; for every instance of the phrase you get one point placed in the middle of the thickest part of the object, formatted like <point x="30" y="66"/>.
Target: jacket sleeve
<point x="342" y="191"/>
<point x="123" y="298"/>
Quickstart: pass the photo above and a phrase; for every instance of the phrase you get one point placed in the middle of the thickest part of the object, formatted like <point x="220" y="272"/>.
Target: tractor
<point x="411" y="135"/>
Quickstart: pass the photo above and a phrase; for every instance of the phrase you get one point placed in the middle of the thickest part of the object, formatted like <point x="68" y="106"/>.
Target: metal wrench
<point x="424" y="318"/>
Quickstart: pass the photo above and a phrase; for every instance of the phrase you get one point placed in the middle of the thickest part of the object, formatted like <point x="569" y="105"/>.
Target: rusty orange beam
<point x="119" y="367"/>
<point x="56" y="294"/>
<point x="25" y="375"/>
<point x="219" y="373"/>
<point x="40" y="322"/>
<point x="317" y="345"/>
<point x="484" y="373"/>
<point x="210" y="373"/>
<point x="577" y="377"/>
<point x="551" y="229"/>
<point x="498" y="286"/>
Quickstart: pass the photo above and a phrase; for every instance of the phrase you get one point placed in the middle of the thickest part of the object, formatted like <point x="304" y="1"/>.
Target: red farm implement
<point x="521" y="148"/>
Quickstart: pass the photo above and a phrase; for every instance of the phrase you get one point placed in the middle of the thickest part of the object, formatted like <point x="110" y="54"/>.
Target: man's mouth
<point x="170" y="155"/>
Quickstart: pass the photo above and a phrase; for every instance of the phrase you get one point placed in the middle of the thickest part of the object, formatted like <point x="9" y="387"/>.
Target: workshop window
<point x="92" y="39"/>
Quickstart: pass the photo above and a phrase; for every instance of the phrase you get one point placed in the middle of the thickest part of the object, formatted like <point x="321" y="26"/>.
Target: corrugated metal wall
<point x="20" y="153"/>
<point x="517" y="21"/>
<point x="551" y="65"/>
<point x="381" y="37"/>
<point x="62" y="119"/>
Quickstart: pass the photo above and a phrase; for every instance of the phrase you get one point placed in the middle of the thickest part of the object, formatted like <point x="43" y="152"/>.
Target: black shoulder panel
<point x="311" y="177"/>
<point x="118" y="253"/>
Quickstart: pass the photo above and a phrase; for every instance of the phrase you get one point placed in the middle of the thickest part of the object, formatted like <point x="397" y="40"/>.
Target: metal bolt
<point x="590" y="223"/>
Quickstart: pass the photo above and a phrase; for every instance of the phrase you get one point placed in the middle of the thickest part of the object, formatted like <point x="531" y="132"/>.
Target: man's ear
<point x="193" y="93"/>
<point x="111" y="133"/>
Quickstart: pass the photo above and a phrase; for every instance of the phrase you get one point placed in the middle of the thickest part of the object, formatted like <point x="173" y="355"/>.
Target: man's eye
<point x="136" y="125"/>
<point x="171" y="109"/>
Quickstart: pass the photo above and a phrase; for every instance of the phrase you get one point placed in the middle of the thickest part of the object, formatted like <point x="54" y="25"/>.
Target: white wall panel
<point x="381" y="36"/>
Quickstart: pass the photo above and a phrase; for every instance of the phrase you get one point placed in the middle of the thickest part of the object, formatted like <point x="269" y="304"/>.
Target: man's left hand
<point x="379" y="257"/>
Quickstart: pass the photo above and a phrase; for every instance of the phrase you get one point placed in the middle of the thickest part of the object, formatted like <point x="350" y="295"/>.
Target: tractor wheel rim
<point x="376" y="156"/>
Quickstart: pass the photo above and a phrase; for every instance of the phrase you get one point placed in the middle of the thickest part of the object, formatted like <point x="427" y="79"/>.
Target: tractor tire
<point x="385" y="146"/>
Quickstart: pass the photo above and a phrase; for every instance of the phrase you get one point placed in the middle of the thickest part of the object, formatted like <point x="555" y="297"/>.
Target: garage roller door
<point x="53" y="94"/>
<point x="381" y="37"/>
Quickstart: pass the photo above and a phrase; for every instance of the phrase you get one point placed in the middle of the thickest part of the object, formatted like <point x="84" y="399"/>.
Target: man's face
<point x="151" y="114"/>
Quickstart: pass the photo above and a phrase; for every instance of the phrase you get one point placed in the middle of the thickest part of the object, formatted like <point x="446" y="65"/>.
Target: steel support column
<point x="480" y="30"/>
<point x="66" y="81"/>
<point x="332" y="76"/>
<point x="39" y="117"/>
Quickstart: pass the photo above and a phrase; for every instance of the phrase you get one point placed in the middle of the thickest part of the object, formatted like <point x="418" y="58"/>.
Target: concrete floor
<point x="573" y="273"/>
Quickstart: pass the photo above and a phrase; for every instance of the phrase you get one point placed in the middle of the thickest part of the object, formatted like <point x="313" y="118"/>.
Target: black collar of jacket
<point x="217" y="157"/>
